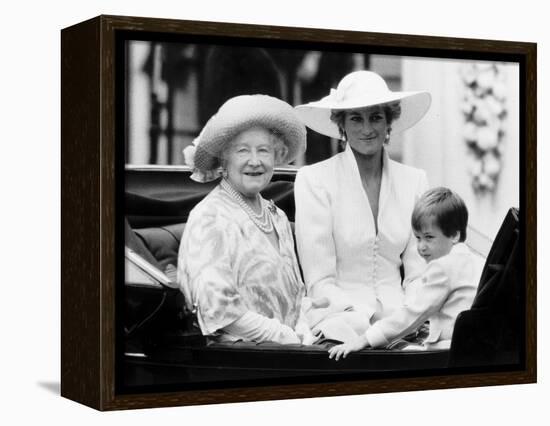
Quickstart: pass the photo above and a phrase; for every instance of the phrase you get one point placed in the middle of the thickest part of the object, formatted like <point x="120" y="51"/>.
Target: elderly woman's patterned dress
<point x="227" y="266"/>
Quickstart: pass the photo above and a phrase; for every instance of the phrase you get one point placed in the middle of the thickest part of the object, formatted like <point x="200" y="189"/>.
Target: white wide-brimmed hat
<point x="235" y="116"/>
<point x="361" y="89"/>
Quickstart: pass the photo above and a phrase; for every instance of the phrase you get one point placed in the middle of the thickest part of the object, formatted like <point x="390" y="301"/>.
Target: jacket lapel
<point x="385" y="185"/>
<point x="360" y="199"/>
<point x="354" y="179"/>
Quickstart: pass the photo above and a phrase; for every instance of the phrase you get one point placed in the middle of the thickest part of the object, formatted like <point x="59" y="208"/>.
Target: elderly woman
<point x="236" y="265"/>
<point x="353" y="211"/>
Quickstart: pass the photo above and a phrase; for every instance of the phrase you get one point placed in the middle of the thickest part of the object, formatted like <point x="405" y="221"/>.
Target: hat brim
<point x="242" y="113"/>
<point x="316" y="115"/>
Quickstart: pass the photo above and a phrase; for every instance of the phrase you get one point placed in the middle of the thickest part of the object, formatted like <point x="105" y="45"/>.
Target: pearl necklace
<point x="262" y="220"/>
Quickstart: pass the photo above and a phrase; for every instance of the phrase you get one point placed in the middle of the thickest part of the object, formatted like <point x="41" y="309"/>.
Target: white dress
<point x="341" y="255"/>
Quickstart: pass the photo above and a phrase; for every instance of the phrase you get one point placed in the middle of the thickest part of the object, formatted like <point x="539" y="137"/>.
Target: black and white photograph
<point x="309" y="214"/>
<point x="275" y="213"/>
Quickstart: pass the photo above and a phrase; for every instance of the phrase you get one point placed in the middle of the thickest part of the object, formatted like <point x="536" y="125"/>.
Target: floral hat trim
<point x="198" y="175"/>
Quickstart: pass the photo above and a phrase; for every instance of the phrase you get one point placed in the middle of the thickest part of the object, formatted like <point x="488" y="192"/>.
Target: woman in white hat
<point x="353" y="211"/>
<point x="236" y="265"/>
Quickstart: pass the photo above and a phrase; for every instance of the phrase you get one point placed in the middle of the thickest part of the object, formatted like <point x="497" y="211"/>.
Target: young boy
<point x="446" y="287"/>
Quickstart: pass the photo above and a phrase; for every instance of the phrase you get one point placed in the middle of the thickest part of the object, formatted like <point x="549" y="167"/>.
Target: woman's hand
<point x="321" y="308"/>
<point x="304" y="333"/>
<point x="288" y="336"/>
<point x="343" y="350"/>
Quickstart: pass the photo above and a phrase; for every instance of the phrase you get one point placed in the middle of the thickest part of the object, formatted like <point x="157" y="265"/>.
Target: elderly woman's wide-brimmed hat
<point x="235" y="116"/>
<point x="361" y="89"/>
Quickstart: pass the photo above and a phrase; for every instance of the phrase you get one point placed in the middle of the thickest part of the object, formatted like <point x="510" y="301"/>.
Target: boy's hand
<point x="343" y="350"/>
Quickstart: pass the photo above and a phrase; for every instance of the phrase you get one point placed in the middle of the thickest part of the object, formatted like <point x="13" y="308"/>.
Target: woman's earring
<point x="387" y="138"/>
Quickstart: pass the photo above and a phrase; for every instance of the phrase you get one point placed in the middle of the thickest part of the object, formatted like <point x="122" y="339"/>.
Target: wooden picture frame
<point x="92" y="95"/>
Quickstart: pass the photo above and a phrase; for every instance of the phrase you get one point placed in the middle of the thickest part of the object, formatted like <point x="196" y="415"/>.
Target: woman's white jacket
<point x="341" y="255"/>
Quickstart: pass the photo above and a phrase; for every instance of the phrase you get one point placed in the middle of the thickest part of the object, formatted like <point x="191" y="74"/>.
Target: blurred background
<point x="468" y="141"/>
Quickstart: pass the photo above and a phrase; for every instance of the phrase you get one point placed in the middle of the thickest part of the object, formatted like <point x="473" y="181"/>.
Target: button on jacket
<point x="341" y="255"/>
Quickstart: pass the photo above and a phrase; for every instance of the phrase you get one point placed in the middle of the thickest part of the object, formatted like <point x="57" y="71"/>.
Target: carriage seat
<point x="162" y="242"/>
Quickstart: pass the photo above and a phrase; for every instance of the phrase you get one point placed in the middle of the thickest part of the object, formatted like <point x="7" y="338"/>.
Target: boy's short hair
<point x="446" y="207"/>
